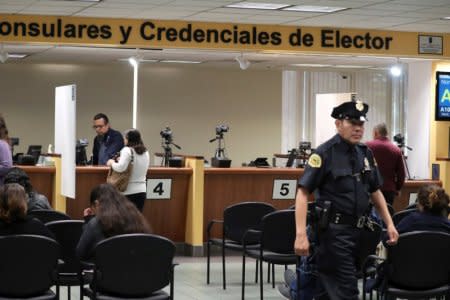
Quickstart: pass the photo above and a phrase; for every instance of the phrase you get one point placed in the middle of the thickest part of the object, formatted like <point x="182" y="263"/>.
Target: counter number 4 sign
<point x="284" y="189"/>
<point x="159" y="188"/>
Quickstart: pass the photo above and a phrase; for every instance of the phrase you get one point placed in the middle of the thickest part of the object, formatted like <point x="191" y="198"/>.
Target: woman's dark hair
<point x="95" y="193"/>
<point x="13" y="202"/>
<point x="17" y="175"/>
<point x="134" y="139"/>
<point x="433" y="199"/>
<point x="117" y="215"/>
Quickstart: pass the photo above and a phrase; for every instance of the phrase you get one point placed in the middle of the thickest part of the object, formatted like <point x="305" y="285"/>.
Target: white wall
<point x="418" y="118"/>
<point x="191" y="100"/>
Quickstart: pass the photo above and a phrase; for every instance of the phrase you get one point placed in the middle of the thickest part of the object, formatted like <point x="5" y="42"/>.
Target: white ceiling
<point x="398" y="15"/>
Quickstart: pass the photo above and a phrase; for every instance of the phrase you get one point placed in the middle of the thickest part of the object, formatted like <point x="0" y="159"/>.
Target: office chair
<point x="237" y="219"/>
<point x="29" y="267"/>
<point x="398" y="216"/>
<point x="67" y="233"/>
<point x="48" y="215"/>
<point x="131" y="266"/>
<point x="417" y="267"/>
<point x="276" y="238"/>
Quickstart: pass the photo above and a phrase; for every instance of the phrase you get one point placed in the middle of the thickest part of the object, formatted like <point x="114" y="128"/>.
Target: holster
<point x="323" y="214"/>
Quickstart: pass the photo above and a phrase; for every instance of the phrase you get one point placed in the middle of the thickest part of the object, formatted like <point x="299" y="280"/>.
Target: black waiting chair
<point x="398" y="216"/>
<point x="28" y="267"/>
<point x="276" y="238"/>
<point x="48" y="215"/>
<point x="132" y="266"/>
<point x="417" y="267"/>
<point x="412" y="206"/>
<point x="67" y="233"/>
<point x="237" y="219"/>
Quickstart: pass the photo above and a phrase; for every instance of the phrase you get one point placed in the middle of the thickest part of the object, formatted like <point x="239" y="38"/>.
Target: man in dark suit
<point x="108" y="141"/>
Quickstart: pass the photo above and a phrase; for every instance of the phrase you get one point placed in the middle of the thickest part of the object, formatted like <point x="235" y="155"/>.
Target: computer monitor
<point x="80" y="152"/>
<point x="35" y="151"/>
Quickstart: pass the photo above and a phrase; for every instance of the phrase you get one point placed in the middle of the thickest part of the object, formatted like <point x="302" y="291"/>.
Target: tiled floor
<point x="190" y="280"/>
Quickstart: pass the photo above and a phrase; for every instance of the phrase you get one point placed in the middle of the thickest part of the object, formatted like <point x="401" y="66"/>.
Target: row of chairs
<point x="417" y="267"/>
<point x="256" y="230"/>
<point x="124" y="266"/>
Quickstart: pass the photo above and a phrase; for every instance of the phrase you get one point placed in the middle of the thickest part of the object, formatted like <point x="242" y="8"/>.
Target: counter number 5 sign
<point x="159" y="188"/>
<point x="284" y="189"/>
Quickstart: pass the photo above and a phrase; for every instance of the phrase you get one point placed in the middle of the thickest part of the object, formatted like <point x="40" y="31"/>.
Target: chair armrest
<point x="210" y="225"/>
<point x="88" y="265"/>
<point x="250" y="234"/>
<point x="61" y="262"/>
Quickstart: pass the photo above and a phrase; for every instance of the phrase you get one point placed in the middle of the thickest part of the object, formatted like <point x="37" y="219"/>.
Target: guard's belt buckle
<point x="361" y="221"/>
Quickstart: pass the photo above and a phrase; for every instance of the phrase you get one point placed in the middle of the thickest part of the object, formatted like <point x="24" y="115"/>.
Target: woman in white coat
<point x="135" y="153"/>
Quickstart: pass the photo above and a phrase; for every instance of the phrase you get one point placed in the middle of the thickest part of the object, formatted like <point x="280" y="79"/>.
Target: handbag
<point x="120" y="179"/>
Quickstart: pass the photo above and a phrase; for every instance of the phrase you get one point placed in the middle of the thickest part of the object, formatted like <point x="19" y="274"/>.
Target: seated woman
<point x="432" y="211"/>
<point x="36" y="201"/>
<point x="114" y="215"/>
<point x="13" y="213"/>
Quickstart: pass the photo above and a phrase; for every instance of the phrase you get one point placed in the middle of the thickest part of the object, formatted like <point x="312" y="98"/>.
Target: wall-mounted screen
<point x="442" y="96"/>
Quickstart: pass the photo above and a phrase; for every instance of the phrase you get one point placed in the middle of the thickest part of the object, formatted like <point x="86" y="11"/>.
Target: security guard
<point x="343" y="175"/>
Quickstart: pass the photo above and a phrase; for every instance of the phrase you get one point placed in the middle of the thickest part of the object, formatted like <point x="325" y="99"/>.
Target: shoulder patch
<point x="315" y="161"/>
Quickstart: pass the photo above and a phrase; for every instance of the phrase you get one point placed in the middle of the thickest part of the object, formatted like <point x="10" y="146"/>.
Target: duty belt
<point x="358" y="222"/>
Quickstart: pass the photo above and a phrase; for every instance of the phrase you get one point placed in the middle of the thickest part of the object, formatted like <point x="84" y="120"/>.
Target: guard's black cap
<point x="351" y="110"/>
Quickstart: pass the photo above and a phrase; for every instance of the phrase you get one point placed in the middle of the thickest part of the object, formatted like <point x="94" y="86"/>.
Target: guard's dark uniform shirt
<point x="345" y="175"/>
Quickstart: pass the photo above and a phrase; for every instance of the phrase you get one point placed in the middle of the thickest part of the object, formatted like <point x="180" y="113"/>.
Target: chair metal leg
<point x="363" y="288"/>
<point x="243" y="277"/>
<point x="268" y="272"/>
<point x="172" y="282"/>
<point x="256" y="271"/>
<point x="68" y="292"/>
<point x="273" y="275"/>
<point x="223" y="266"/>
<point x="261" y="279"/>
<point x="208" y="260"/>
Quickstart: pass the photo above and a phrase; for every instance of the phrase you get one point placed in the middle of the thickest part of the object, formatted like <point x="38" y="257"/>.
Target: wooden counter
<point x="42" y="180"/>
<point x="167" y="217"/>
<point x="411" y="186"/>
<point x="227" y="186"/>
<point x="222" y="187"/>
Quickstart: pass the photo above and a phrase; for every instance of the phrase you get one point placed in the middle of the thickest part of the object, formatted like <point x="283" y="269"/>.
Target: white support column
<point x="418" y="118"/>
<point x="290" y="110"/>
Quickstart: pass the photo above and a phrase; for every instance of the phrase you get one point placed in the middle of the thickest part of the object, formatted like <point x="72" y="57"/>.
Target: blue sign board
<point x="442" y="96"/>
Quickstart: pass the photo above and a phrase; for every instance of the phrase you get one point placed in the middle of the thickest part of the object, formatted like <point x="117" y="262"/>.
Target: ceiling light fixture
<point x="180" y="61"/>
<point x="17" y="55"/>
<point x="257" y="5"/>
<point x="133" y="61"/>
<point x="351" y="66"/>
<point x="315" y="9"/>
<point x="446" y="18"/>
<point x="243" y="62"/>
<point x="83" y="0"/>
<point x="396" y="70"/>
<point x="311" y="65"/>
